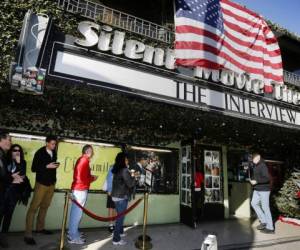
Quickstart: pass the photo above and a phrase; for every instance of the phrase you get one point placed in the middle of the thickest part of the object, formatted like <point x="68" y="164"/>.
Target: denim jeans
<point x="121" y="206"/>
<point x="76" y="213"/>
<point x="261" y="205"/>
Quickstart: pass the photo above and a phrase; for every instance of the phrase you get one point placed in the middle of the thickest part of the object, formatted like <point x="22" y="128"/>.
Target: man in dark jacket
<point x="261" y="194"/>
<point x="44" y="165"/>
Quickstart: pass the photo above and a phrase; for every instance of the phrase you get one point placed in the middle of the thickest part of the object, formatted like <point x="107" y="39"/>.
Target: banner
<point x="68" y="153"/>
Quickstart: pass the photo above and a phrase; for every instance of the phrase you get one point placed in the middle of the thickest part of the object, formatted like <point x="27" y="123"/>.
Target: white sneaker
<point x="78" y="241"/>
<point x="82" y="236"/>
<point x="120" y="243"/>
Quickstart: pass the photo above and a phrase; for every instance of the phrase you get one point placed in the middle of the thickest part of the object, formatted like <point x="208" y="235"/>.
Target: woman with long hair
<point x="123" y="183"/>
<point x="16" y="166"/>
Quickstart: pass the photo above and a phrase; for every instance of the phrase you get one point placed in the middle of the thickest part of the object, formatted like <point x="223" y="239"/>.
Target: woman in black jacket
<point x="16" y="166"/>
<point x="123" y="183"/>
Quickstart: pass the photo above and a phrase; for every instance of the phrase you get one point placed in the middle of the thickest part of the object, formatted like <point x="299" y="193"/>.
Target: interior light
<point x="89" y="142"/>
<point x="152" y="149"/>
<point x="27" y="136"/>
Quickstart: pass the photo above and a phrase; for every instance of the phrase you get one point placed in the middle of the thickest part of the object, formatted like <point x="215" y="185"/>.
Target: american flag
<point x="220" y="34"/>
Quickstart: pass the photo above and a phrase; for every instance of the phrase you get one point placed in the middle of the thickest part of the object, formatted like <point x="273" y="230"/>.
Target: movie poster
<point x="212" y="172"/>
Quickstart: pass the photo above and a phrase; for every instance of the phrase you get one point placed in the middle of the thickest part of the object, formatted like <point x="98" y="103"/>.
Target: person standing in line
<point x="44" y="165"/>
<point x="261" y="195"/>
<point x="5" y="180"/>
<point x="138" y="169"/>
<point x="110" y="205"/>
<point x="82" y="179"/>
<point x="123" y="183"/>
<point x="16" y="165"/>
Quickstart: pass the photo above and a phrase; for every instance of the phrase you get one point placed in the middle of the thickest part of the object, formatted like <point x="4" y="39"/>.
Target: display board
<point x="186" y="176"/>
<point x="212" y="171"/>
<point x="68" y="153"/>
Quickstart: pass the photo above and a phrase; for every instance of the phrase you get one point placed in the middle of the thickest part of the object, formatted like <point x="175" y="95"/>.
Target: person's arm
<point x="35" y="163"/>
<point x="109" y="180"/>
<point x="128" y="179"/>
<point x="4" y="177"/>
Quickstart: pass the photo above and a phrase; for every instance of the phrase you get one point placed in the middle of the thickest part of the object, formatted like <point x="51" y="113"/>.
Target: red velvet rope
<point x="100" y="218"/>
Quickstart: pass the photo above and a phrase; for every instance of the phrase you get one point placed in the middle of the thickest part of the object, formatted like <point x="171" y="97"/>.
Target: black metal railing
<point x="99" y="12"/>
<point x="291" y="78"/>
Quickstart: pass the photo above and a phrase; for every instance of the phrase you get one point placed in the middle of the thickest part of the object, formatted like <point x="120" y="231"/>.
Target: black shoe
<point x="3" y="242"/>
<point x="261" y="226"/>
<point x="111" y="229"/>
<point x="44" y="231"/>
<point x="267" y="231"/>
<point x="29" y="241"/>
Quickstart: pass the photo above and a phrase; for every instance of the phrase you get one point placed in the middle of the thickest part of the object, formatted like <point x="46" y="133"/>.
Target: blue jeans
<point x="121" y="206"/>
<point x="76" y="213"/>
<point x="261" y="205"/>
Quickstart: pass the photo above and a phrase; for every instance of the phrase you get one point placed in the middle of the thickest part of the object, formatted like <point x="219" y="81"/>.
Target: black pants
<point x="10" y="201"/>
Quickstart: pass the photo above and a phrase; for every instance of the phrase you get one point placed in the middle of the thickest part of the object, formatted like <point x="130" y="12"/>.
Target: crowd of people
<point x="121" y="183"/>
<point x="15" y="186"/>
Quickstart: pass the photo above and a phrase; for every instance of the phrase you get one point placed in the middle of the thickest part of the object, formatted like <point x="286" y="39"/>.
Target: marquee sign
<point x="105" y="39"/>
<point x="104" y="57"/>
<point x="71" y="65"/>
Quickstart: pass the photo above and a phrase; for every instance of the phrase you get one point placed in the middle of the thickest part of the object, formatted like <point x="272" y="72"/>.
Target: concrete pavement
<point x="231" y="234"/>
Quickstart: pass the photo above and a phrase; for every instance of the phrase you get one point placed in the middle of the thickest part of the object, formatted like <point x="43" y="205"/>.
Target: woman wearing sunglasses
<point x="16" y="168"/>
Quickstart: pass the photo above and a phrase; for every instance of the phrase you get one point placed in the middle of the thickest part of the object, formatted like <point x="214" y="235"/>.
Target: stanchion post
<point x="64" y="222"/>
<point x="145" y="218"/>
<point x="144" y="241"/>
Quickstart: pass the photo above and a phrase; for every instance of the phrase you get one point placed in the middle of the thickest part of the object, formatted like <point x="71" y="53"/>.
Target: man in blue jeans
<point x="261" y="195"/>
<point x="82" y="178"/>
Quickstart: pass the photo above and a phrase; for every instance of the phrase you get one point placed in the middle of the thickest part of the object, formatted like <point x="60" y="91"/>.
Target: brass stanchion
<point x="63" y="228"/>
<point x="143" y="241"/>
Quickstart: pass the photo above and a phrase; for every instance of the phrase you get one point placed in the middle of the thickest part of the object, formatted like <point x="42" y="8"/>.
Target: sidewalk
<point x="231" y="234"/>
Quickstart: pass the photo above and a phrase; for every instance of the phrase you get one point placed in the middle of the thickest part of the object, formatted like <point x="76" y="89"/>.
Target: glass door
<point x="186" y="186"/>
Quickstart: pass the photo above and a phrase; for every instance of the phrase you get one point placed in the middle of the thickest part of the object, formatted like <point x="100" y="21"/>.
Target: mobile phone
<point x="56" y="163"/>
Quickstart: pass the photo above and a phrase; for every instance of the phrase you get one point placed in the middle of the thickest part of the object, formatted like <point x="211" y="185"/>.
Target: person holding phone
<point x="82" y="179"/>
<point x="44" y="164"/>
<point x="17" y="169"/>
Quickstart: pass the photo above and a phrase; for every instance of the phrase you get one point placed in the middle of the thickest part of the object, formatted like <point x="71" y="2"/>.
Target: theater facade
<point x="186" y="121"/>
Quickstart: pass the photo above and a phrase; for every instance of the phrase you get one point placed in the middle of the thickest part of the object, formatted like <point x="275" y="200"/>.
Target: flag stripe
<point x="237" y="53"/>
<point x="241" y="10"/>
<point x="257" y="50"/>
<point x="228" y="61"/>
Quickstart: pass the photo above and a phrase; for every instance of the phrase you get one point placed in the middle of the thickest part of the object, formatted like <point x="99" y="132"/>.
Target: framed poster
<point x="212" y="173"/>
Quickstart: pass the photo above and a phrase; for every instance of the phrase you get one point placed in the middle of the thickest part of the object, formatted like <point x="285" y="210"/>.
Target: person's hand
<point x="95" y="177"/>
<point x="132" y="172"/>
<point x="52" y="165"/>
<point x="253" y="182"/>
<point x="17" y="179"/>
<point x="18" y="159"/>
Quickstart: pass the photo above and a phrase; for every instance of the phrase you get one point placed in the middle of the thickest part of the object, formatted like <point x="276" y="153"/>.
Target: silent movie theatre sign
<point x="162" y="80"/>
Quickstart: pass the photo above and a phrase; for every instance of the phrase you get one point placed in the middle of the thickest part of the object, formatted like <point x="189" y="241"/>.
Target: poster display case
<point x="212" y="173"/>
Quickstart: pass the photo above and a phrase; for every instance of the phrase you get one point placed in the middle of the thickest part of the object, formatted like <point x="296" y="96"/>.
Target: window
<point x="161" y="164"/>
